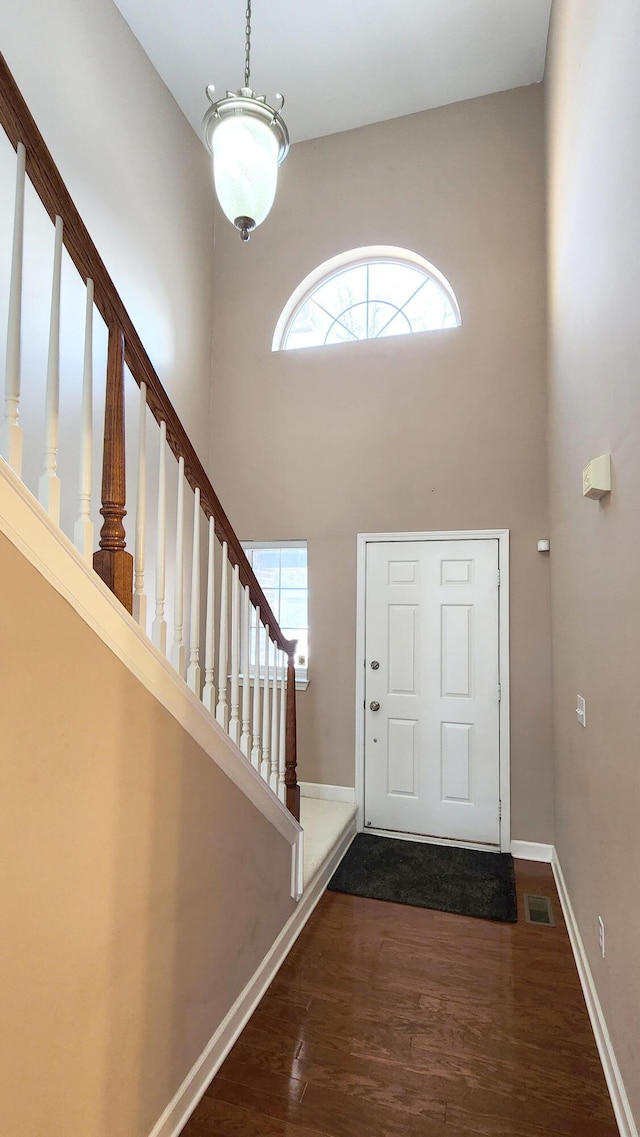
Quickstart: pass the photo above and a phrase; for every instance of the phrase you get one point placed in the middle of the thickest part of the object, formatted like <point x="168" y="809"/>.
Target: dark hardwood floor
<point x="389" y="1021"/>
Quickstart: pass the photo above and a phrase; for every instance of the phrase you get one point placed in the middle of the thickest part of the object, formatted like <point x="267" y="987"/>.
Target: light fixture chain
<point x="247" y="49"/>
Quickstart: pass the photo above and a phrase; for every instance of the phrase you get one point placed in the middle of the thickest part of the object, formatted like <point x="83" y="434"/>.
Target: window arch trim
<point x="354" y="258"/>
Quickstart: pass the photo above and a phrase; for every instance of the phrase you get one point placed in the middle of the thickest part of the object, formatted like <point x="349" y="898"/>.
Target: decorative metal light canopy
<point x="248" y="140"/>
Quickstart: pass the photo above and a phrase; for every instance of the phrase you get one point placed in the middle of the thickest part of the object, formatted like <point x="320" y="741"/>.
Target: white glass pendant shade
<point x="245" y="167"/>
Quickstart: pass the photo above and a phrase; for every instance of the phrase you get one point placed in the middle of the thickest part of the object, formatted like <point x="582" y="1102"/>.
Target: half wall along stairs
<point x="227" y="645"/>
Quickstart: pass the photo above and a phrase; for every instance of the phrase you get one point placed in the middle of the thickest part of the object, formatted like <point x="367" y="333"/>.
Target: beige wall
<point x="140" y="889"/>
<point x="440" y="431"/>
<point x="139" y="176"/>
<point x="594" y="246"/>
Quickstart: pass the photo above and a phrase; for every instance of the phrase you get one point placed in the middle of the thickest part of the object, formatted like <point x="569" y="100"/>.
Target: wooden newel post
<point x="112" y="562"/>
<point x="291" y="756"/>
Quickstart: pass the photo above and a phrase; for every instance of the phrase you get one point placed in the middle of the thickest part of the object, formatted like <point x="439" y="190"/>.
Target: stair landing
<point x="324" y="824"/>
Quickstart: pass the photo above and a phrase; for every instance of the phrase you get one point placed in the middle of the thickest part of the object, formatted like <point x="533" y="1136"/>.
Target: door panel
<point x="432" y="761"/>
<point x="402" y="649"/>
<point x="402" y="753"/>
<point x="456" y="650"/>
<point x="455" y="754"/>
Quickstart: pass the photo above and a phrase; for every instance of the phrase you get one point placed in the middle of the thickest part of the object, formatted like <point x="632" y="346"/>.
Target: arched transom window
<point x="367" y="294"/>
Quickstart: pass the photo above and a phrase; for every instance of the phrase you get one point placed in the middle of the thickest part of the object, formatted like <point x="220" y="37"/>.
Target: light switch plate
<point x="581" y="711"/>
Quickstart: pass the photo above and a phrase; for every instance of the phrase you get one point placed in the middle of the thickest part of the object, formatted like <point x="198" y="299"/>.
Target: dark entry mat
<point x="466" y="881"/>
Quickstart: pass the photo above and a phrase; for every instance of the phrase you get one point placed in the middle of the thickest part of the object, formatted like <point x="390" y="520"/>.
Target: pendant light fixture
<point x="248" y="140"/>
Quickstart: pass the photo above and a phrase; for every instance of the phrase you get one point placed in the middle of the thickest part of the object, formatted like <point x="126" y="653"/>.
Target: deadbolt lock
<point x="374" y="665"/>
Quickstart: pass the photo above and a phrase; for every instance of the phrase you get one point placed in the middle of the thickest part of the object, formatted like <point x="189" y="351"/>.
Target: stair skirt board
<point x="28" y="526"/>
<point x="192" y="1089"/>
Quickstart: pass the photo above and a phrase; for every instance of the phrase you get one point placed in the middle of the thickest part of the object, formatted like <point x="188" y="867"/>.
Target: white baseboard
<point x="532" y="851"/>
<point x="619" y="1099"/>
<point x="192" y="1089"/>
<point x="328" y="793"/>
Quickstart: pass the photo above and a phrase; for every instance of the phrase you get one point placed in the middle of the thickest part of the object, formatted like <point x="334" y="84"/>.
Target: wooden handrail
<point x="46" y="179"/>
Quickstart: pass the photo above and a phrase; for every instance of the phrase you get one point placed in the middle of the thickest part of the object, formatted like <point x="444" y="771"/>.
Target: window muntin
<point x="368" y="294"/>
<point x="281" y="570"/>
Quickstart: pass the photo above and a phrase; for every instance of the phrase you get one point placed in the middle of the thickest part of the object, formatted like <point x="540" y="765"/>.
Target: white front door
<point x="432" y="740"/>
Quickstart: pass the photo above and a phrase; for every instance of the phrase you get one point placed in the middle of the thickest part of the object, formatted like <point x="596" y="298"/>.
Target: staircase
<point x="243" y="670"/>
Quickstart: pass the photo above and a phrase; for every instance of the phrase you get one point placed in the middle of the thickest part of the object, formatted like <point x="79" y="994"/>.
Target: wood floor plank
<point x="512" y="1118"/>
<point x="325" y="985"/>
<point x="539" y="1045"/>
<point x="350" y="1037"/>
<point x="520" y="1078"/>
<point x="256" y="1076"/>
<point x="393" y="1084"/>
<point x="281" y="995"/>
<point x="390" y="1021"/>
<point x="332" y="1111"/>
<point x="217" y="1118"/>
<point x="270" y="1051"/>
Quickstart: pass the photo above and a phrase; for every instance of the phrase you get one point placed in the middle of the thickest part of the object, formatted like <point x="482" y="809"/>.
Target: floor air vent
<point x="538" y="910"/>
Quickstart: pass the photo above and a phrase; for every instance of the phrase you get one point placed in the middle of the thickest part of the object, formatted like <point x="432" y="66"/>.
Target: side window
<point x="281" y="569"/>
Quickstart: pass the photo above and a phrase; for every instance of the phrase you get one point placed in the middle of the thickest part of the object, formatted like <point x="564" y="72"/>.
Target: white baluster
<point x="193" y="670"/>
<point x="159" y="626"/>
<point x="49" y="484"/>
<point x="282" y="748"/>
<point x="245" y="652"/>
<point x="234" y="721"/>
<point x="256" y="752"/>
<point x="222" y="710"/>
<point x="178" y="649"/>
<point x="265" y="767"/>
<point x="83" y="528"/>
<point x="209" y="690"/>
<point x="139" y="597"/>
<point x="273" y="780"/>
<point x="12" y="431"/>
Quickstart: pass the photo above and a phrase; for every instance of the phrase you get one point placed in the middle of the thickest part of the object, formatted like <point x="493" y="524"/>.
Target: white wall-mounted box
<point x="596" y="477"/>
<point x="581" y="710"/>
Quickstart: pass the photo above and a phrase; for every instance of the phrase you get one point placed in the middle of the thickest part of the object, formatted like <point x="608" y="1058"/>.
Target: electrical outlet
<point x="581" y="710"/>
<point x="601" y="935"/>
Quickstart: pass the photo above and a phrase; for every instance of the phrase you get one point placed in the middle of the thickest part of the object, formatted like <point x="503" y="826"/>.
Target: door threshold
<point x="485" y="847"/>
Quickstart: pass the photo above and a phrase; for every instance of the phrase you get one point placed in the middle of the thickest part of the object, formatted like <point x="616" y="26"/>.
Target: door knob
<point x="374" y="706"/>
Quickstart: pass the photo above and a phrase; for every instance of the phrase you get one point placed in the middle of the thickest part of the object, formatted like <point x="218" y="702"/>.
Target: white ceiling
<point x="343" y="63"/>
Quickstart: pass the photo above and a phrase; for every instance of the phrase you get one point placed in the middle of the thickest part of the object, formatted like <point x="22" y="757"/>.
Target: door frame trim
<point x="502" y="537"/>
